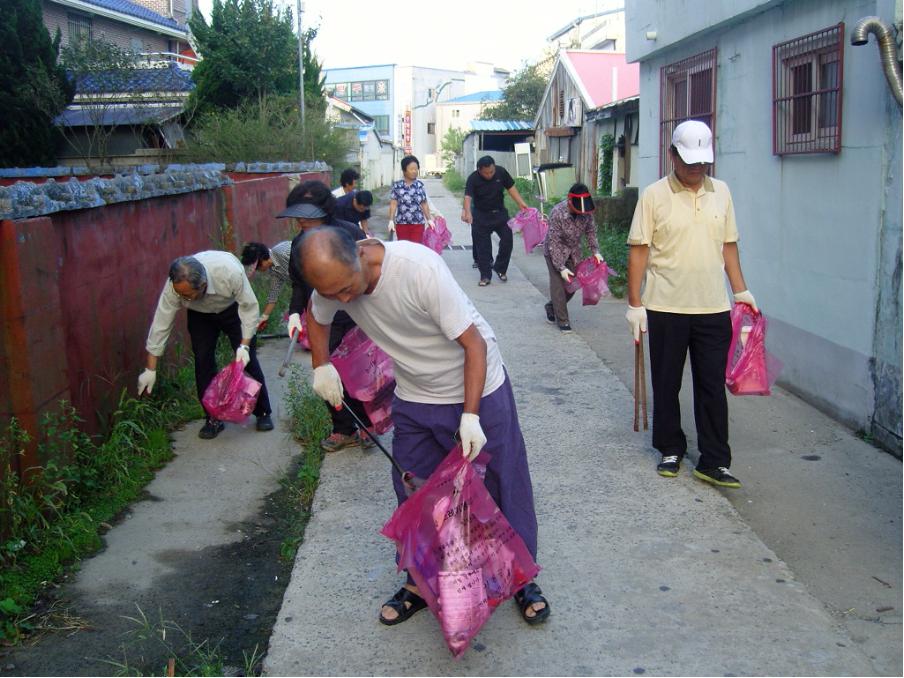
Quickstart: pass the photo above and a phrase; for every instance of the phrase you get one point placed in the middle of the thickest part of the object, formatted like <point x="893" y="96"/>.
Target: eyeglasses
<point x="195" y="295"/>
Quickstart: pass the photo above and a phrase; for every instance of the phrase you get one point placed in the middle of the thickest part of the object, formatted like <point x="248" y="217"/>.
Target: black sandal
<point x="405" y="603"/>
<point x="484" y="282"/>
<point x="526" y="597"/>
<point x="502" y="276"/>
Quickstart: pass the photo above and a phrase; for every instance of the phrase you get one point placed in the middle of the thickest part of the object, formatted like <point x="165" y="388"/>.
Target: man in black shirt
<point x="484" y="209"/>
<point x="354" y="207"/>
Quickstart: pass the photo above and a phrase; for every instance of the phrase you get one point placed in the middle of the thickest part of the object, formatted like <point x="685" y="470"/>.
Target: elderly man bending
<point x="450" y="378"/>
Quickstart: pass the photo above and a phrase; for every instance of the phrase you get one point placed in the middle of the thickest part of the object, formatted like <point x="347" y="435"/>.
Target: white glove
<point x="294" y="325"/>
<point x="472" y="436"/>
<point x="242" y="355"/>
<point x="262" y="322"/>
<point x="746" y="297"/>
<point x="566" y="275"/>
<point x="599" y="258"/>
<point x="391" y="226"/>
<point x="328" y="385"/>
<point x="431" y="224"/>
<point x="637" y="319"/>
<point x="146" y="381"/>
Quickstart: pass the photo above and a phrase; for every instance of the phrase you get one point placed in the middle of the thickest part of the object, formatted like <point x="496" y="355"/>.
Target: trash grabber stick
<point x="288" y="359"/>
<point x="643" y="384"/>
<point x="636" y="385"/>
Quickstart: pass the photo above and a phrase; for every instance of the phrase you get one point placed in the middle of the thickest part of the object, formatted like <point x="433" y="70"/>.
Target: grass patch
<point x="614" y="248"/>
<point x="454" y="182"/>
<point x="50" y="520"/>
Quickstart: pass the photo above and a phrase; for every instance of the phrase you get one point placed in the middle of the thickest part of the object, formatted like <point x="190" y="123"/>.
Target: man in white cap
<point x="683" y="236"/>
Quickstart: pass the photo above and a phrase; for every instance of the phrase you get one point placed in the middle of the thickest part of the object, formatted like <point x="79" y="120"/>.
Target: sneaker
<point x="484" y="282"/>
<point x="717" y="476"/>
<point x="669" y="466"/>
<point x="264" y="423"/>
<point x="211" y="429"/>
<point x="339" y="441"/>
<point x="365" y="440"/>
<point x="550" y="315"/>
<point x="565" y="328"/>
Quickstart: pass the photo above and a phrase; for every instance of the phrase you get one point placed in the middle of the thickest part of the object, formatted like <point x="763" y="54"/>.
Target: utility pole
<point x="300" y="10"/>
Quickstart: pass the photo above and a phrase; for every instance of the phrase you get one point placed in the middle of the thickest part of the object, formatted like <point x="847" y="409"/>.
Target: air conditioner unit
<point x="522" y="161"/>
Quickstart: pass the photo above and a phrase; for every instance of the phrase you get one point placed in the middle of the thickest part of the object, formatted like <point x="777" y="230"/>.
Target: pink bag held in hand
<point x="750" y="369"/>
<point x="533" y="230"/>
<point x="456" y="544"/>
<point x="594" y="279"/>
<point x="232" y="394"/>
<point x="438" y="237"/>
<point x="368" y="375"/>
<point x="517" y="222"/>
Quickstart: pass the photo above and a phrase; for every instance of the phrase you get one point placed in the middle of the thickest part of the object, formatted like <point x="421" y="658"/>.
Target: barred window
<point x="79" y="27"/>
<point x="806" y="93"/>
<point x="687" y="91"/>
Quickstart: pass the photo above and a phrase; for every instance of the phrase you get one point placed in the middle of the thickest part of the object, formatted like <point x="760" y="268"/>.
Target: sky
<point x="435" y="33"/>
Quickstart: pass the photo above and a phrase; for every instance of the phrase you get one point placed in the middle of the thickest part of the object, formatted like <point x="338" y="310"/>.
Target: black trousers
<point x="343" y="422"/>
<point x="204" y="330"/>
<point x="485" y="224"/>
<point x="706" y="337"/>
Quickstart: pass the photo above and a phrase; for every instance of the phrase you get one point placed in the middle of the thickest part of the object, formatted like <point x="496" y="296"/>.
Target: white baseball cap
<point x="694" y="141"/>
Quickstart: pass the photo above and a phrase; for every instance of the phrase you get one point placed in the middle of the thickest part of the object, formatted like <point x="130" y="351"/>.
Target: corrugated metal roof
<point x="109" y="116"/>
<point x="171" y="78"/>
<point x="476" y="97"/>
<point x="130" y="8"/>
<point x="501" y="126"/>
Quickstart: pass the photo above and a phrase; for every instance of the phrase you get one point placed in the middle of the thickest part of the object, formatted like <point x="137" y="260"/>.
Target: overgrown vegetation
<point x="452" y="145"/>
<point x="268" y="129"/>
<point x="52" y="517"/>
<point x="454" y="182"/>
<point x="607" y="145"/>
<point x="521" y="96"/>
<point x="33" y="88"/>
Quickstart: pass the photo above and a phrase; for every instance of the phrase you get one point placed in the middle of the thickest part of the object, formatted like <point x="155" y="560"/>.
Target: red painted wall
<point x="78" y="290"/>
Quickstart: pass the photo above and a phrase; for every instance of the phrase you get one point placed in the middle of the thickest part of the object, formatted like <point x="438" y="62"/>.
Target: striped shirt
<point x="226" y="285"/>
<point x="279" y="272"/>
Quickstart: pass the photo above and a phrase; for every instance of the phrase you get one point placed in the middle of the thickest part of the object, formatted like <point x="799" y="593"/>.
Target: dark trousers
<point x="204" y="330"/>
<point x="706" y="337"/>
<point x="558" y="297"/>
<point x="343" y="422"/>
<point x="485" y="224"/>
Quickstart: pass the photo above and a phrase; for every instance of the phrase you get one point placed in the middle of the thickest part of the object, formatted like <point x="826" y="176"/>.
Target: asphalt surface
<point x="797" y="573"/>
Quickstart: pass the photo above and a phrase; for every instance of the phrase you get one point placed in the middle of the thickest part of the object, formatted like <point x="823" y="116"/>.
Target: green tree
<point x="521" y="96"/>
<point x="33" y="88"/>
<point x="452" y="144"/>
<point x="249" y="51"/>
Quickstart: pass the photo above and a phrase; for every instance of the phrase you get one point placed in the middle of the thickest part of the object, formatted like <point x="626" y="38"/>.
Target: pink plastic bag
<point x="437" y="238"/>
<point x="594" y="279"/>
<point x="534" y="232"/>
<point x="517" y="222"/>
<point x="379" y="410"/>
<point x="750" y="370"/>
<point x="303" y="339"/>
<point x="232" y="394"/>
<point x="462" y="553"/>
<point x="368" y="375"/>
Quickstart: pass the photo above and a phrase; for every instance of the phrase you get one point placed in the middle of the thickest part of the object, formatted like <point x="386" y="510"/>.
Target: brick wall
<point x="78" y="289"/>
<point x="121" y="34"/>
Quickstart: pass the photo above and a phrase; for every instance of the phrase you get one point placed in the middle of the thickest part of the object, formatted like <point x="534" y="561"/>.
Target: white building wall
<point x="810" y="225"/>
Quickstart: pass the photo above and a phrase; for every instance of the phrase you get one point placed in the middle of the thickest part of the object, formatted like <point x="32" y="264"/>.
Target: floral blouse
<point x="563" y="241"/>
<point x="409" y="199"/>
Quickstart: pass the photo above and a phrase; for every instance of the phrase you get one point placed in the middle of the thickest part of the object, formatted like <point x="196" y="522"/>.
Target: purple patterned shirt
<point x="563" y="241"/>
<point x="409" y="198"/>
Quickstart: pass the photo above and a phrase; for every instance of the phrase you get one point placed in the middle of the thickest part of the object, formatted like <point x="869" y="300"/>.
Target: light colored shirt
<point x="409" y="198"/>
<point x="279" y="272"/>
<point x="226" y="285"/>
<point x="415" y="314"/>
<point x="339" y="192"/>
<point x="563" y="240"/>
<point x="685" y="231"/>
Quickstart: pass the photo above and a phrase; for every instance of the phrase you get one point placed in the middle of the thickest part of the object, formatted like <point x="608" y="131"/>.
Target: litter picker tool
<point x="288" y="359"/>
<point x="411" y="481"/>
<point x="640" y="386"/>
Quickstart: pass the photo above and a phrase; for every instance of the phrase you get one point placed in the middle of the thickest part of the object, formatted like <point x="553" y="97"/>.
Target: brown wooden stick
<point x="171" y="667"/>
<point x="643" y="384"/>
<point x="637" y="359"/>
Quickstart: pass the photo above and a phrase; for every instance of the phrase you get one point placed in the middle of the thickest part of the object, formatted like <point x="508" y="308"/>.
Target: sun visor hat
<point x="581" y="202"/>
<point x="694" y="142"/>
<point x="302" y="210"/>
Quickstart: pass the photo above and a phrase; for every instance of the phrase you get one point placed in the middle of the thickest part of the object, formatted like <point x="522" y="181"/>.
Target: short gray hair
<point x="190" y="270"/>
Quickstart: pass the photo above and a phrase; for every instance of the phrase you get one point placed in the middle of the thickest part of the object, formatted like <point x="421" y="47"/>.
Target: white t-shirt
<point x="415" y="314"/>
<point x="338" y="192"/>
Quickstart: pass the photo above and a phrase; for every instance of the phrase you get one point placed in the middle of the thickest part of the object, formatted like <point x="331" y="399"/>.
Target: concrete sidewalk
<point x="643" y="576"/>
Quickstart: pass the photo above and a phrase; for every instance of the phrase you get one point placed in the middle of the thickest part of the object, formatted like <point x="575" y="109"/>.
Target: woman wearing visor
<point x="568" y="221"/>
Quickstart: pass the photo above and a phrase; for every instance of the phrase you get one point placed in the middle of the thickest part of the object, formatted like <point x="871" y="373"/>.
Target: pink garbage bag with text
<point x="368" y="375"/>
<point x="459" y="548"/>
<point x="232" y="394"/>
<point x="534" y="232"/>
<point x="438" y="237"/>
<point x="517" y="222"/>
<point x="594" y="280"/>
<point x="750" y="370"/>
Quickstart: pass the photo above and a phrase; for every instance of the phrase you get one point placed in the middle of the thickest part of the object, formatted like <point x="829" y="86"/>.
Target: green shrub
<point x="454" y="181"/>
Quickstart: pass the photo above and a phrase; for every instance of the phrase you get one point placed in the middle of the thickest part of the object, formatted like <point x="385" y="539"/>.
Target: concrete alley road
<point x="643" y="575"/>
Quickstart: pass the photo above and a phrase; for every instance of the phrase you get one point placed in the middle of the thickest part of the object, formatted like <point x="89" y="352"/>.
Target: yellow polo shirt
<point x="685" y="231"/>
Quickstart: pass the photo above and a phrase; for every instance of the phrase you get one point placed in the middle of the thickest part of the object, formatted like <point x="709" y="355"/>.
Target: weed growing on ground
<point x="614" y="248"/>
<point x="454" y="182"/>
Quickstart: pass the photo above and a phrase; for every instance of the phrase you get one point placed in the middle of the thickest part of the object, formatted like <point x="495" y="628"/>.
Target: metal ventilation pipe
<point x="885" y="40"/>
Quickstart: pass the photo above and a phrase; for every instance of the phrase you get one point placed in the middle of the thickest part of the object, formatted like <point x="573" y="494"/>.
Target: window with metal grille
<point x="806" y="93"/>
<point x="79" y="28"/>
<point x="687" y="91"/>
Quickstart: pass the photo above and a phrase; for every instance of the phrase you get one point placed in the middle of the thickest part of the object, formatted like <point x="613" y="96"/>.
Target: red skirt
<point x="412" y="232"/>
